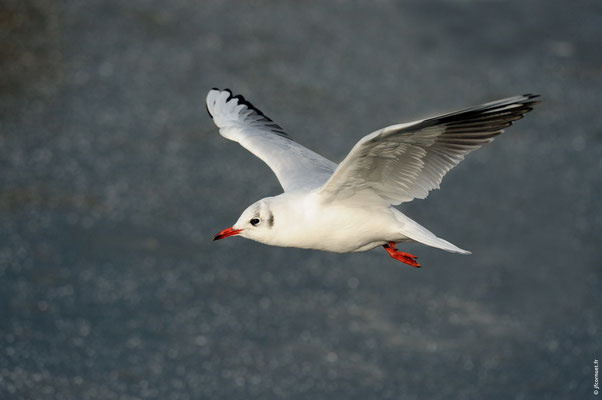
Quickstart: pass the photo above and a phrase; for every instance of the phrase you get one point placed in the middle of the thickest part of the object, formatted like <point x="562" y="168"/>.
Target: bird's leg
<point x="405" y="258"/>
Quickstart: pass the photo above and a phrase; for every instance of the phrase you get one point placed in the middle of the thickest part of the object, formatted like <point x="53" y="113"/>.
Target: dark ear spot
<point x="271" y="220"/>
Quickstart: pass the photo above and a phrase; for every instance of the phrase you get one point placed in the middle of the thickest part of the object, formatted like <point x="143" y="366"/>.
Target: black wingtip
<point x="241" y="100"/>
<point x="531" y="100"/>
<point x="532" y="96"/>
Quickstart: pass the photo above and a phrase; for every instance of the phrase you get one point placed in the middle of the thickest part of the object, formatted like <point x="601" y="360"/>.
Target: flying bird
<point x="349" y="207"/>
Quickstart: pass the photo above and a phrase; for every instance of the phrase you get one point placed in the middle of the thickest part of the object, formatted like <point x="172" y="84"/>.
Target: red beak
<point x="227" y="232"/>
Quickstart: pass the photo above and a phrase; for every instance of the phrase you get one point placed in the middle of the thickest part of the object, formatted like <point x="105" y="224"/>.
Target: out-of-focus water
<point x="113" y="180"/>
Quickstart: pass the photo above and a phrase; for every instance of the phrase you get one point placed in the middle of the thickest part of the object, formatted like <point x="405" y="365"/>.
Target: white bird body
<point x="349" y="207"/>
<point x="303" y="221"/>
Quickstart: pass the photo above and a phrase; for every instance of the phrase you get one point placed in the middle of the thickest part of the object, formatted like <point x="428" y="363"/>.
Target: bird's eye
<point x="254" y="221"/>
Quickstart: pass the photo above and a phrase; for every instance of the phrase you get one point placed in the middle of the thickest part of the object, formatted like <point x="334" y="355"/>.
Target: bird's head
<point x="256" y="222"/>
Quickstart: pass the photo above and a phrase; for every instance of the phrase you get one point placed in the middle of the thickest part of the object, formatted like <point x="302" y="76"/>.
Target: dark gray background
<point x="114" y="180"/>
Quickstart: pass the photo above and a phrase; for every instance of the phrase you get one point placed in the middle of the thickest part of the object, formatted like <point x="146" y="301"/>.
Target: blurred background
<point x="114" y="180"/>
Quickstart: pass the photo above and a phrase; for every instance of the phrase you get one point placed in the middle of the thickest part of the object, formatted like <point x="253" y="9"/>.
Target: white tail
<point x="419" y="233"/>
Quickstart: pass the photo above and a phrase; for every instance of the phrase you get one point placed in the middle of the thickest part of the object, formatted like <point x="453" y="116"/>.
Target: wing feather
<point x="295" y="166"/>
<point x="402" y="162"/>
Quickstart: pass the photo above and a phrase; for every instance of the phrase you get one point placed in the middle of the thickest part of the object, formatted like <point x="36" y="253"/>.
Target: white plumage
<point x="348" y="207"/>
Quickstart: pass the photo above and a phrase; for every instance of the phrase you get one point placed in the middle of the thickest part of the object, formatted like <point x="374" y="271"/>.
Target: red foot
<point x="405" y="258"/>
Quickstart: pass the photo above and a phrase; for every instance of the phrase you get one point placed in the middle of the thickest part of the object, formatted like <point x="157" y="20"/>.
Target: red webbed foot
<point x="405" y="258"/>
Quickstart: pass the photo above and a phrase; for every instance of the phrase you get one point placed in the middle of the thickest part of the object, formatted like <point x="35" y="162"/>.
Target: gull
<point x="349" y="207"/>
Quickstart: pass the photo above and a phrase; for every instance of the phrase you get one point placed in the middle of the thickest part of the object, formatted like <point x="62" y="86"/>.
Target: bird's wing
<point x="295" y="166"/>
<point x="402" y="162"/>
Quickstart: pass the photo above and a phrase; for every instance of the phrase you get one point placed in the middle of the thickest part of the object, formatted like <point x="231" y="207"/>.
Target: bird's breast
<point x="334" y="228"/>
